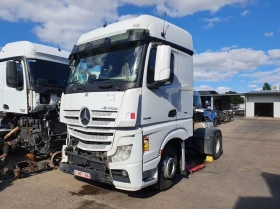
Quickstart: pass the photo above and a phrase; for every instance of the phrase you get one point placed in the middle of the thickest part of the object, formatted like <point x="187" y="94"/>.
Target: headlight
<point x="122" y="153"/>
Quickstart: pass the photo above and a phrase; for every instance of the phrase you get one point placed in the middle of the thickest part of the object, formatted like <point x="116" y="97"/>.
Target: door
<point x="159" y="105"/>
<point x="14" y="98"/>
<point x="264" y="109"/>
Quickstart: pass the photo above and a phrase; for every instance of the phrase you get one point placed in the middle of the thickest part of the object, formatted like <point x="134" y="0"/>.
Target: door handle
<point x="172" y="113"/>
<point x="6" y="107"/>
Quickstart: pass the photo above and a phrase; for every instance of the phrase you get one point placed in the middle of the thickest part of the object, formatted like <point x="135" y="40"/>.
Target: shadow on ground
<point x="273" y="183"/>
<point x="95" y="188"/>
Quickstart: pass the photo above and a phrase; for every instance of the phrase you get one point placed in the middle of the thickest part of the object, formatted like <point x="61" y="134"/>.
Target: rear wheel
<point x="167" y="168"/>
<point x="217" y="146"/>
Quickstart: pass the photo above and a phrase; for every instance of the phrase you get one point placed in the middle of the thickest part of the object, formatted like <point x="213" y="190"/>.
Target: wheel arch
<point x="177" y="135"/>
<point x="174" y="139"/>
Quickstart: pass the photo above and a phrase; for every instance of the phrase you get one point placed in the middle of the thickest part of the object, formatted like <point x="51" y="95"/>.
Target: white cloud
<point x="222" y="90"/>
<point x="245" y="12"/>
<point x="258" y="89"/>
<point x="224" y="49"/>
<point x="252" y="86"/>
<point x="208" y="75"/>
<point x="63" y="21"/>
<point x="211" y="21"/>
<point x="229" y="61"/>
<point x="260" y="77"/>
<point x="60" y="21"/>
<point x="204" y="88"/>
<point x="268" y="34"/>
<point x="274" y="53"/>
<point x="179" y="8"/>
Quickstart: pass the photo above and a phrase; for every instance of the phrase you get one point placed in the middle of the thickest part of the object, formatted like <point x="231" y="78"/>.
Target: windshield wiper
<point x="79" y="83"/>
<point x="108" y="79"/>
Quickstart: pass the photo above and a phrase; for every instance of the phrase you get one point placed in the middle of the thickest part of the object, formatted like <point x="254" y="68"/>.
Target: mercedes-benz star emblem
<point x="85" y="116"/>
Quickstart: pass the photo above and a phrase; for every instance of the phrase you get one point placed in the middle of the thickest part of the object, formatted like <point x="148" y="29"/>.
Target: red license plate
<point x="82" y="174"/>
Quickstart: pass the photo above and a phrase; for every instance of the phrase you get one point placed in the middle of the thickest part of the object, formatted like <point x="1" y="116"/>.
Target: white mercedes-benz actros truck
<point x="32" y="79"/>
<point x="128" y="105"/>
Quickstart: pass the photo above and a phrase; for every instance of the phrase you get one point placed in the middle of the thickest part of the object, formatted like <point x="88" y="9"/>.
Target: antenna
<point x="58" y="47"/>
<point x="105" y="24"/>
<point x="163" y="33"/>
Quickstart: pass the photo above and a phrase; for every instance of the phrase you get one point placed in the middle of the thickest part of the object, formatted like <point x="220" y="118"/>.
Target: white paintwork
<point x="15" y="99"/>
<point x="262" y="98"/>
<point x="151" y="106"/>
<point x="185" y="82"/>
<point x="250" y="109"/>
<point x="33" y="50"/>
<point x="19" y="100"/>
<point x="276" y="109"/>
<point x="174" y="34"/>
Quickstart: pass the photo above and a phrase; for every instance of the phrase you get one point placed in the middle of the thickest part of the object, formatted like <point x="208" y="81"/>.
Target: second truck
<point x="128" y="105"/>
<point x="32" y="79"/>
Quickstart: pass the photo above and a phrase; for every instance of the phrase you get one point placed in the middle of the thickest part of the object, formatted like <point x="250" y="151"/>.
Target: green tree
<point x="266" y="86"/>
<point x="235" y="99"/>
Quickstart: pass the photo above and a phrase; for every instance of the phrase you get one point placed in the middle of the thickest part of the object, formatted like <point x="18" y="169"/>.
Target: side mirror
<point x="162" y="67"/>
<point x="12" y="73"/>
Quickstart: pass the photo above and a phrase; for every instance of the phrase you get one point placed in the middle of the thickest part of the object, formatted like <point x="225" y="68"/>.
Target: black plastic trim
<point x="118" y="177"/>
<point x="95" y="175"/>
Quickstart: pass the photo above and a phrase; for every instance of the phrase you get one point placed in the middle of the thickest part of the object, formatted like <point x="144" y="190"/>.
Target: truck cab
<point x="128" y="104"/>
<point x="32" y="79"/>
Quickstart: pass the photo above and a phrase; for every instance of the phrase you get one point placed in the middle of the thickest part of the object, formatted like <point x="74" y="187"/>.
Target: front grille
<point x="91" y="136"/>
<point x="72" y="120"/>
<point x="87" y="145"/>
<point x="98" y="135"/>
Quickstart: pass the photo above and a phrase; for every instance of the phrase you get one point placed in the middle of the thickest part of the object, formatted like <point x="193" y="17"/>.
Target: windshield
<point x="114" y="64"/>
<point x="52" y="73"/>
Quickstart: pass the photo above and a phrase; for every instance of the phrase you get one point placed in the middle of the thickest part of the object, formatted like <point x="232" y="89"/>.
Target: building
<point x="215" y="101"/>
<point x="263" y="103"/>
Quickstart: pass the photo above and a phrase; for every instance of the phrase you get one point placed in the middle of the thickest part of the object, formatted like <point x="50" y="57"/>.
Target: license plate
<point x="82" y="174"/>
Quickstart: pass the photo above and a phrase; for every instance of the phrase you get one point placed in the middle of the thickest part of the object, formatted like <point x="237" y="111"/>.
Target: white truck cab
<point x="32" y="79"/>
<point x="128" y="104"/>
<point x="26" y="69"/>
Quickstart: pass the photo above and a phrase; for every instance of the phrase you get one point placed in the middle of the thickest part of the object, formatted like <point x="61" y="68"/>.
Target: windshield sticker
<point x="31" y="60"/>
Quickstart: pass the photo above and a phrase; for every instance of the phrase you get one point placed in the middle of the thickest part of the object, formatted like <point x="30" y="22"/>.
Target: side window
<point x="14" y="74"/>
<point x="151" y="68"/>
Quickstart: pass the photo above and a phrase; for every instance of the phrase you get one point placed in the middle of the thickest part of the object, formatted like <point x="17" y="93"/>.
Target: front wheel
<point x="167" y="168"/>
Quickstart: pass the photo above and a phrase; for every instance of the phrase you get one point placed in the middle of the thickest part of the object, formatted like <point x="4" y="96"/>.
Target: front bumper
<point x="95" y="174"/>
<point x="132" y="182"/>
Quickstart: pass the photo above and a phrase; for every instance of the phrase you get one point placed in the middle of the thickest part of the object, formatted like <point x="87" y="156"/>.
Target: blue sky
<point x="237" y="42"/>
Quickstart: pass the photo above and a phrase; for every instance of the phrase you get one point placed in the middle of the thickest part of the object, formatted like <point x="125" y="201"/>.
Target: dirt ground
<point x="246" y="176"/>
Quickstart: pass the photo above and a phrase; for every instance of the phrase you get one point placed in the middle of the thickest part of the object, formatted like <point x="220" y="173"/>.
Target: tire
<point x="215" y="123"/>
<point x="217" y="150"/>
<point x="169" y="153"/>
